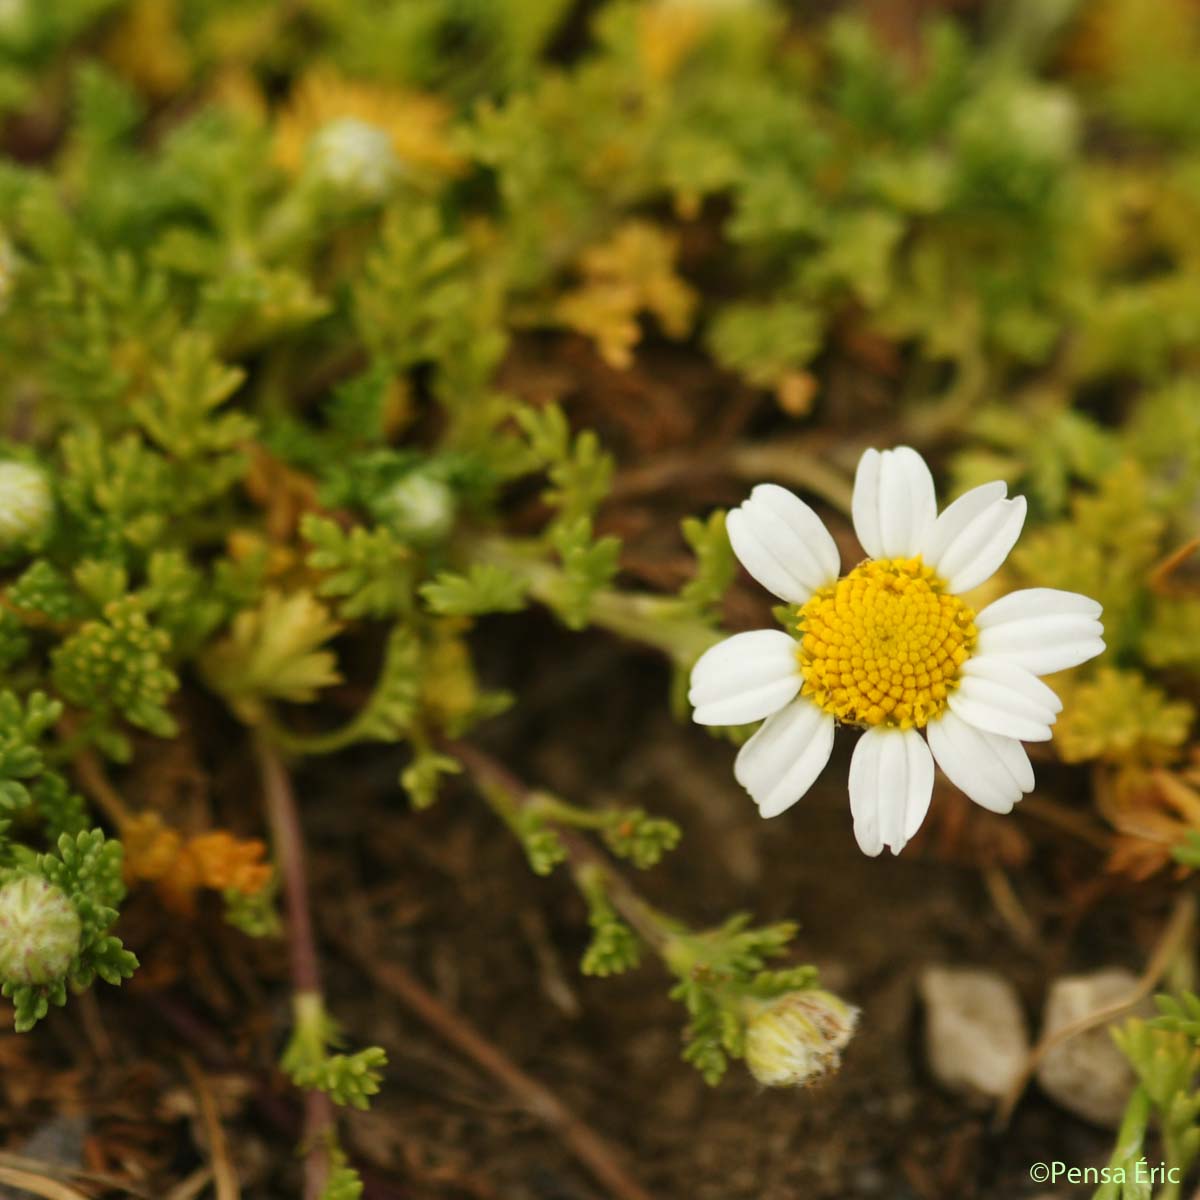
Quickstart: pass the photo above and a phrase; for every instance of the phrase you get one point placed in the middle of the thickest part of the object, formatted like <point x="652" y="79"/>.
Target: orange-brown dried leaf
<point x="1152" y="811"/>
<point x="224" y="861"/>
<point x="179" y="867"/>
<point x="284" y="493"/>
<point x="151" y="849"/>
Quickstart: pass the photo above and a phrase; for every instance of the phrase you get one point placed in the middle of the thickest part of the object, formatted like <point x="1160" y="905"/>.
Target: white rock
<point x="975" y="1034"/>
<point x="1087" y="1074"/>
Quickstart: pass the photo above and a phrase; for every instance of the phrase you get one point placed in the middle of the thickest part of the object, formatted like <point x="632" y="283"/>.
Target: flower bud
<point x="39" y="931"/>
<point x="355" y="158"/>
<point x="26" y="503"/>
<point x="419" y="507"/>
<point x="798" y="1037"/>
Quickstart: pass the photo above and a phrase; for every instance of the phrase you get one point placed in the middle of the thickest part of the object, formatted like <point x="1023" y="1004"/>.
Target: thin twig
<point x="39" y="1185"/>
<point x="192" y="1186"/>
<point x="94" y="780"/>
<point x="596" y="1153"/>
<point x="490" y="774"/>
<point x="1067" y="819"/>
<point x="223" y="1172"/>
<point x="288" y="838"/>
<point x="37" y="1166"/>
<point x="1175" y="931"/>
<point x="1006" y="902"/>
<point x="1160" y="575"/>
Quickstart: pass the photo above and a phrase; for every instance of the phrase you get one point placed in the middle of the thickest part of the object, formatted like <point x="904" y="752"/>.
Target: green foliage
<point x="589" y="564"/>
<point x="543" y="847"/>
<point x="255" y="914"/>
<point x="715" y="564"/>
<point x="273" y="411"/>
<point x="44" y="591"/>
<point x="642" y="839"/>
<point x="87" y="869"/>
<point x="422" y="298"/>
<point x="24" y="726"/>
<point x="274" y="652"/>
<point x="487" y="587"/>
<point x="1119" y="716"/>
<point x="422" y="777"/>
<point x="614" y="946"/>
<point x="1165" y="1057"/>
<point x="716" y="970"/>
<point x="368" y="569"/>
<point x="116" y="666"/>
<point x="348" y="1079"/>
<point x="343" y="1182"/>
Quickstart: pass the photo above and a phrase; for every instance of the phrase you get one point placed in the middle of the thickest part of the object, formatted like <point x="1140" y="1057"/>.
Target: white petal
<point x="957" y="517"/>
<point x="894" y="505"/>
<point x="781" y="761"/>
<point x="891" y="781"/>
<point x="783" y="543"/>
<point x="864" y="504"/>
<point x="1038" y="602"/>
<point x="744" y="678"/>
<point x="1042" y="629"/>
<point x="994" y="771"/>
<point x="1000" y="697"/>
<point x="1044" y="645"/>
<point x="1001" y="671"/>
<point x="978" y="551"/>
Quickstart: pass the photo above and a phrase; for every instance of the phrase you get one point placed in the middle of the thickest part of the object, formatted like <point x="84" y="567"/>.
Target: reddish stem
<point x="288" y="838"/>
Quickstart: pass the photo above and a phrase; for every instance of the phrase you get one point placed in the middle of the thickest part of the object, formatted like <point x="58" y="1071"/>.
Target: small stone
<point x="1087" y="1075"/>
<point x="975" y="1033"/>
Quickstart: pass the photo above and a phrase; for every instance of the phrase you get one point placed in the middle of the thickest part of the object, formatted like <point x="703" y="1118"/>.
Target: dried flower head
<point x="798" y="1037"/>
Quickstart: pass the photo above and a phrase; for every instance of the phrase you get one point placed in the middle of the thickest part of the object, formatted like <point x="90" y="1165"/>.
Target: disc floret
<point x="884" y="644"/>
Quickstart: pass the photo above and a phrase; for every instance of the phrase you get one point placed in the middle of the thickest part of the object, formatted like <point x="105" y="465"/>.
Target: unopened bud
<point x="418" y="507"/>
<point x="355" y="158"/>
<point x="798" y="1037"/>
<point x="26" y="503"/>
<point x="39" y="931"/>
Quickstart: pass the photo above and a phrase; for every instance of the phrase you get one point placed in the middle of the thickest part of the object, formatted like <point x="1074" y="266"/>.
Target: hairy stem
<point x="288" y="838"/>
<point x="656" y="621"/>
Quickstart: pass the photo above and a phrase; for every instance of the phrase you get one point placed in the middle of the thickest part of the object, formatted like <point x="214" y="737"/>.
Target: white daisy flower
<point x="893" y="649"/>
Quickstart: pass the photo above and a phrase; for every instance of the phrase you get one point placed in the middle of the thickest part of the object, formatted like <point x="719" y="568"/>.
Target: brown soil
<point x="451" y="898"/>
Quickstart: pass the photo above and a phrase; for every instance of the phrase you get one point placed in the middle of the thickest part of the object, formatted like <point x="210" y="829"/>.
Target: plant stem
<point x="501" y="787"/>
<point x="288" y="838"/>
<point x="90" y="772"/>
<point x="657" y="621"/>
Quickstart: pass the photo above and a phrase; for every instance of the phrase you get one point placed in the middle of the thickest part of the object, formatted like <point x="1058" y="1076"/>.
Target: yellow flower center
<point x="883" y="645"/>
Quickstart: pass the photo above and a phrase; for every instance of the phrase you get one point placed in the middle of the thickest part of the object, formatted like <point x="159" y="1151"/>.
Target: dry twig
<point x="1179" y="925"/>
<point x="596" y="1153"/>
<point x="38" y="1185"/>
<point x="223" y="1172"/>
